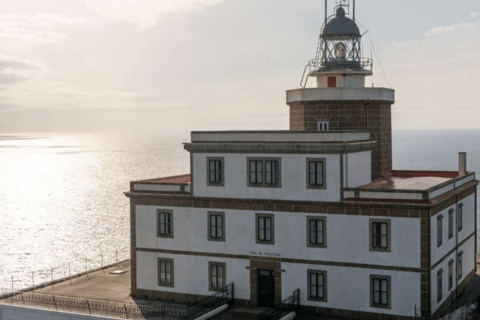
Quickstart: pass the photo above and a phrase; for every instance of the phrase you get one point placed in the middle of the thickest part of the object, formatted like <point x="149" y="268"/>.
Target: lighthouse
<point x="340" y="101"/>
<point x="313" y="214"/>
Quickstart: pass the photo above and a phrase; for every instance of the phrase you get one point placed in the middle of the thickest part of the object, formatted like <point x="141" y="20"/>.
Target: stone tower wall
<point x="351" y="115"/>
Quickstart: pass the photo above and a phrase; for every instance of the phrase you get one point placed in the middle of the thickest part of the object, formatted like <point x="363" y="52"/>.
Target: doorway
<point x="266" y="288"/>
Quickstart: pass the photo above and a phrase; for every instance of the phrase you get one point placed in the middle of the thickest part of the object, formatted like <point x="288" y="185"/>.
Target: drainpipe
<point x="341" y="175"/>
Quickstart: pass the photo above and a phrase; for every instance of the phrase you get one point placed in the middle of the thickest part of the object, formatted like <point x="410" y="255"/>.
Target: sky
<point x="182" y="65"/>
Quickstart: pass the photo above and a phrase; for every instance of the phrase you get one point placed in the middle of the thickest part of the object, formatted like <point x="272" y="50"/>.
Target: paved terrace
<point x="412" y="186"/>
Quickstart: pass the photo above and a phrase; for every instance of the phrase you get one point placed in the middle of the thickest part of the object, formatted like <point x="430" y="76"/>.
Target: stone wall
<point x="373" y="116"/>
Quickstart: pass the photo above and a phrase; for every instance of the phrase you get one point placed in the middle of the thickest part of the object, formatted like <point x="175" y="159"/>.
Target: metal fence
<point x="282" y="309"/>
<point x="119" y="309"/>
<point x="211" y="302"/>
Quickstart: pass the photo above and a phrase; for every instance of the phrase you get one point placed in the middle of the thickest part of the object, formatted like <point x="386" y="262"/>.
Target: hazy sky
<point x="221" y="64"/>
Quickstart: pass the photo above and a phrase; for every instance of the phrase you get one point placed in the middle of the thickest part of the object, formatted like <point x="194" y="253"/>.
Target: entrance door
<point x="266" y="288"/>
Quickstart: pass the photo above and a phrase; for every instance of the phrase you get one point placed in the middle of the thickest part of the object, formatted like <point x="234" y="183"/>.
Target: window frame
<point x="217" y="214"/>
<point x="317" y="218"/>
<point x="439" y="231"/>
<point x="388" y="305"/>
<point x="450" y="274"/>
<point x="324" y="176"/>
<point x="389" y="235"/>
<point x="460" y="217"/>
<point x="216" y="184"/>
<point x="439" y="285"/>
<point x="264" y="183"/>
<point x="224" y="276"/>
<point x="325" y="125"/>
<point x="309" y="285"/>
<point x="460" y="265"/>
<point x="450" y="223"/>
<point x="257" y="229"/>
<point x="169" y="212"/>
<point x="172" y="273"/>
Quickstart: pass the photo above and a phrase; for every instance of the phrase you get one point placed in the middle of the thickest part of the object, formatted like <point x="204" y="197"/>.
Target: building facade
<point x="316" y="208"/>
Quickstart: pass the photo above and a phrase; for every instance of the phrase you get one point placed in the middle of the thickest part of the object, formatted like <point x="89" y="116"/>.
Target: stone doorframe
<point x="255" y="265"/>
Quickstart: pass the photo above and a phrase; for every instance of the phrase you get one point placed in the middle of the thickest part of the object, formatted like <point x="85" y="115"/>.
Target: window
<point x="316" y="173"/>
<point x="439" y="230"/>
<point x="380" y="235"/>
<point x="256" y="172"/>
<point x="450" y="224"/>
<point x="215" y="171"/>
<point x="322" y="125"/>
<point x="460" y="217"/>
<point x="460" y="265"/>
<point x="263" y="172"/>
<point x="217" y="278"/>
<point x="165" y="223"/>
<point x="450" y="274"/>
<point x="439" y="285"/>
<point x="165" y="272"/>
<point x="264" y="226"/>
<point x="317" y="285"/>
<point x="380" y="291"/>
<point x="216" y="226"/>
<point x="271" y="171"/>
<point x="316" y="232"/>
<point x="332" y="82"/>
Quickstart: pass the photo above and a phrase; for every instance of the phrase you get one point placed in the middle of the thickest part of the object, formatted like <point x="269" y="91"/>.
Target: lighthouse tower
<point x="340" y="100"/>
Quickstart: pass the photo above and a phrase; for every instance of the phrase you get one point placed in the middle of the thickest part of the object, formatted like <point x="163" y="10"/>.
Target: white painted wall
<point x="191" y="274"/>
<point x="349" y="288"/>
<point x="10" y="312"/>
<point x="293" y="178"/>
<point x="157" y="187"/>
<point x="468" y="264"/>
<point x="437" y="253"/>
<point x="358" y="169"/>
<point x="448" y="244"/>
<point x="468" y="217"/>
<point x="347" y="236"/>
<point x="343" y="81"/>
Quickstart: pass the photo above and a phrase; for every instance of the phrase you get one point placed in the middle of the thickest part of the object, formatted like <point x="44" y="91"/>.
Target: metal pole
<point x="353" y="10"/>
<point x="325" y="16"/>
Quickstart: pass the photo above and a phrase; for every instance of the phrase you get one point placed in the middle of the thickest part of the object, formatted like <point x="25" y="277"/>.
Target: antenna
<point x="325" y="14"/>
<point x="353" y="10"/>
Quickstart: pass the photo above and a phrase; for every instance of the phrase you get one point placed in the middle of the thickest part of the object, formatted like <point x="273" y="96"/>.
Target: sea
<point x="62" y="203"/>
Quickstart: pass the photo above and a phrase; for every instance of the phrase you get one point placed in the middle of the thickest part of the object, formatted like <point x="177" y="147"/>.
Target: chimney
<point x="462" y="163"/>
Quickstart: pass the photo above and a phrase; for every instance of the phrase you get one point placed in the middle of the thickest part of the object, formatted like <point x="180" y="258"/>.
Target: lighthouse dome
<point x="341" y="27"/>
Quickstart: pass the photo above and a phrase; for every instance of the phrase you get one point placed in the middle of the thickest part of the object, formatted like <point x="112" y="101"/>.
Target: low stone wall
<point x="9" y="312"/>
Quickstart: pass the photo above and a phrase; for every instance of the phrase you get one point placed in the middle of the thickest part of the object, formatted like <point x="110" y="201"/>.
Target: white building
<point x="317" y="207"/>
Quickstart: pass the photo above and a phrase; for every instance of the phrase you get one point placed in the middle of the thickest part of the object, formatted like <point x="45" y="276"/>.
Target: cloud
<point x="18" y="30"/>
<point x="146" y="14"/>
<point x="465" y="27"/>
<point x="475" y="14"/>
<point x="14" y="70"/>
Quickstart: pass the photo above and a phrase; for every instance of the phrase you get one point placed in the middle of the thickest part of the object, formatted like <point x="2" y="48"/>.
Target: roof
<point x="181" y="179"/>
<point x="341" y="26"/>
<point x="411" y="180"/>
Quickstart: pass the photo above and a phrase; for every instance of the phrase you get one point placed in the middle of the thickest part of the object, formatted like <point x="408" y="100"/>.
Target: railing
<point x="285" y="307"/>
<point x="120" y="309"/>
<point x="209" y="303"/>
<point x="91" y="306"/>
